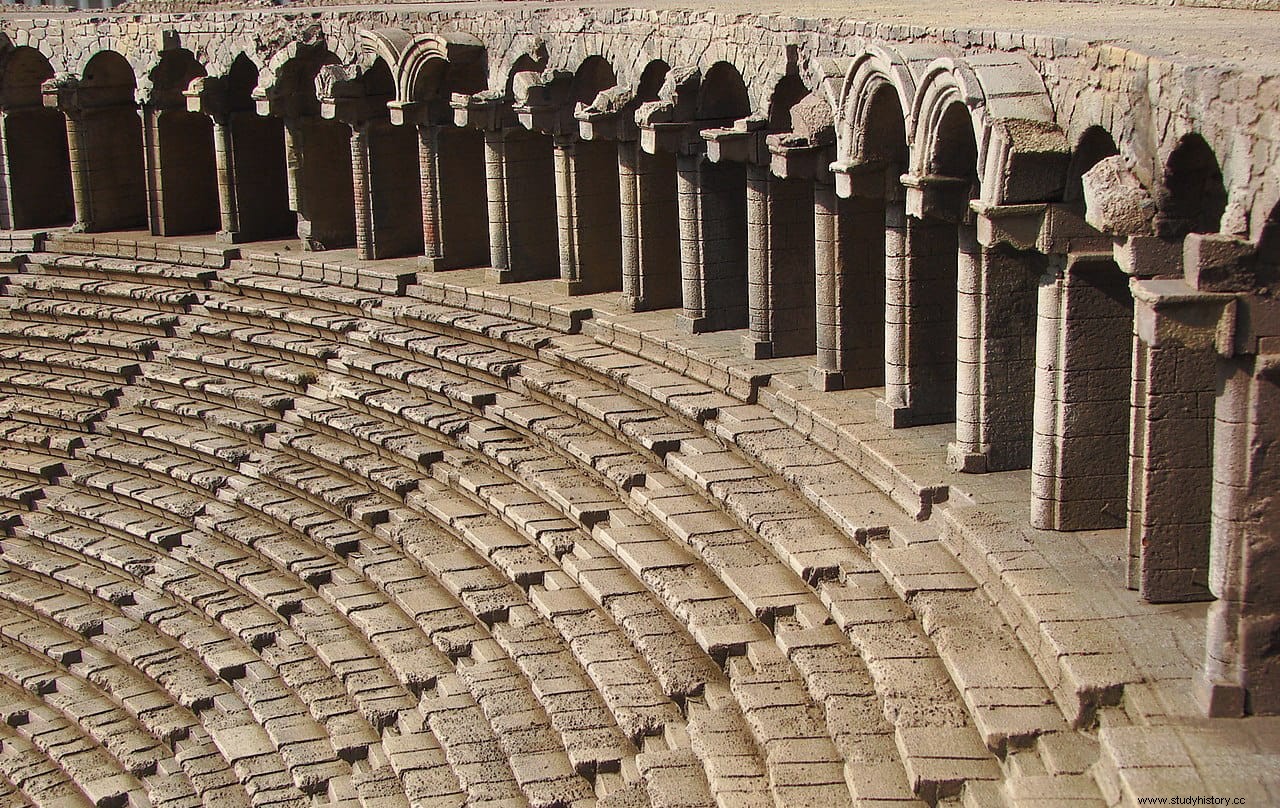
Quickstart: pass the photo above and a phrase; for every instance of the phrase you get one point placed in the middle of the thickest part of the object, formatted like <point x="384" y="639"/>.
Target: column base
<point x="966" y="461"/>
<point x="826" y="380"/>
<point x="229" y="236"/>
<point x="581" y="286"/>
<point x="757" y="349"/>
<point x="902" y="416"/>
<point x="632" y="303"/>
<point x="432" y="263"/>
<point x="692" y="325"/>
<point x="1220" y="699"/>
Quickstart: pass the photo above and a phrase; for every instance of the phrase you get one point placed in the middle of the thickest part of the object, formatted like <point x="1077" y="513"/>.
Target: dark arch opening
<point x="593" y="75"/>
<point x="183" y="169"/>
<point x="37" y="191"/>
<point x="596" y="189"/>
<point x="461" y="211"/>
<point x="869" y="238"/>
<point x="789" y="90"/>
<point x="651" y="80"/>
<point x="262" y="188"/>
<point x="1095" y="145"/>
<point x="1193" y="196"/>
<point x="394" y="183"/>
<point x="320" y="152"/>
<point x="112" y="145"/>
<point x="722" y="96"/>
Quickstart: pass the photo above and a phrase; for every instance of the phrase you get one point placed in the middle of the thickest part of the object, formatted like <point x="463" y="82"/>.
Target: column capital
<point x="487" y="111"/>
<point x="936" y="197"/>
<point x="1168" y="311"/>
<point x="62" y="92"/>
<point x="743" y="142"/>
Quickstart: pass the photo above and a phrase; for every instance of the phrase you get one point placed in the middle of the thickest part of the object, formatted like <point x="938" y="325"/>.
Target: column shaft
<point x="361" y="187"/>
<point x="224" y="155"/>
<point x="429" y="178"/>
<point x="496" y="183"/>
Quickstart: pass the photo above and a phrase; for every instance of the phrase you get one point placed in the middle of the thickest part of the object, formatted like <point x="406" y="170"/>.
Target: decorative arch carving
<point x="1023" y="155"/>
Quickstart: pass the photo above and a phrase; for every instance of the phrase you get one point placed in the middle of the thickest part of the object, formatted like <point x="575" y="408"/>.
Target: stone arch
<point x="181" y="166"/>
<point x="1021" y="153"/>
<point x="1192" y="196"/>
<point x="111" y="145"/>
<point x="875" y="77"/>
<point x="36" y="178"/>
<point x="258" y="167"/>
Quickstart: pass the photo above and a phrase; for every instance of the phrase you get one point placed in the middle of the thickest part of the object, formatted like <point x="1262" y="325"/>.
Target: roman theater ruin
<point x="678" y="404"/>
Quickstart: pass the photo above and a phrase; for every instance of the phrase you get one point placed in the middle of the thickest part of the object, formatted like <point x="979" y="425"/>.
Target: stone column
<point x="897" y="379"/>
<point x="920" y="337"/>
<point x="224" y="156"/>
<point x="362" y="189"/>
<point x="495" y="147"/>
<point x="151" y="168"/>
<point x="649" y="228"/>
<point x="828" y="370"/>
<point x="633" y="287"/>
<point x="995" y="370"/>
<point x="80" y="193"/>
<point x="567" y="214"/>
<point x="693" y="314"/>
<point x="1081" y="414"/>
<point x="1242" y="666"/>
<point x="429" y="178"/>
<point x="1176" y="331"/>
<point x="294" y="142"/>
<point x="760" y="283"/>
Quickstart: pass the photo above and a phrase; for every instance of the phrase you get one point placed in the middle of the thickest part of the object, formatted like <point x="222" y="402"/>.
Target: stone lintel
<point x="538" y="118"/>
<point x="1170" y="312"/>
<point x="478" y="112"/>
<point x="935" y="197"/>
<point x="207" y="95"/>
<point x="605" y="125"/>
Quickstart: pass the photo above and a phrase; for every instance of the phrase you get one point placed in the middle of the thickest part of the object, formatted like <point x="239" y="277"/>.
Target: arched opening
<point x="393" y="183"/>
<point x="870" y="247"/>
<point x="715" y="269"/>
<point x="182" y="169"/>
<point x="1193" y="197"/>
<point x="782" y="306"/>
<point x="37" y="166"/>
<point x="459" y="209"/>
<point x="936" y="242"/>
<point x="650" y="216"/>
<point x="596" y="218"/>
<point x="111" y="145"/>
<point x="1083" y="368"/>
<point x="257" y="142"/>
<point x="522" y="174"/>
<point x="1175" y="383"/>
<point x="318" y="153"/>
<point x="1095" y="145"/>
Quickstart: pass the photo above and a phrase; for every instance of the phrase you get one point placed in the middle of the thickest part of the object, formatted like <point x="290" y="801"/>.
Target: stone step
<point x="120" y="269"/>
<point x="98" y="342"/>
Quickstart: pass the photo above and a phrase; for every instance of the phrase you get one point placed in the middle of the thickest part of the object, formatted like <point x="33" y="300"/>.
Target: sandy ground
<point x="1249" y="39"/>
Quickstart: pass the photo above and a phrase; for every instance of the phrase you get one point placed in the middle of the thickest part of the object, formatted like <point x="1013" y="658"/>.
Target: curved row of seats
<point x="427" y="554"/>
